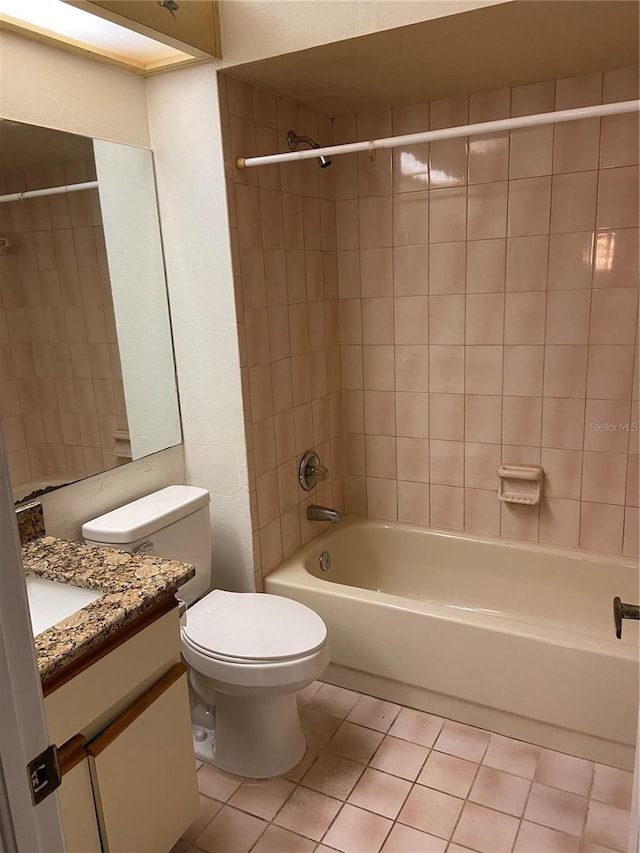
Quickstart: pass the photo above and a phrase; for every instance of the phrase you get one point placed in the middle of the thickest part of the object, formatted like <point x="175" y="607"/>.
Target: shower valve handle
<point x="311" y="470"/>
<point x="319" y="472"/>
<point x="623" y="611"/>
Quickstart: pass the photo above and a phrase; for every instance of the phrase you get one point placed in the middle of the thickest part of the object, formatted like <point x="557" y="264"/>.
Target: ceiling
<point x="27" y="146"/>
<point x="509" y="44"/>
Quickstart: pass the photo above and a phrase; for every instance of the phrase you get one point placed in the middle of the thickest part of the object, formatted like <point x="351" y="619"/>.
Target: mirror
<point x="87" y="377"/>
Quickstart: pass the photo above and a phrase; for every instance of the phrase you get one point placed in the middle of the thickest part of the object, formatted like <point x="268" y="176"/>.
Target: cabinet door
<point x="193" y="26"/>
<point x="143" y="771"/>
<point x="75" y="798"/>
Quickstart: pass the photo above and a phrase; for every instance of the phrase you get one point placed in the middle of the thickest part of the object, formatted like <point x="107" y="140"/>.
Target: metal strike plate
<point x="44" y="774"/>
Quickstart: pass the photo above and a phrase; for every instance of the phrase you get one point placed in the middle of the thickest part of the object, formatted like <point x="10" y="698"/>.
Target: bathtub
<point x="515" y="638"/>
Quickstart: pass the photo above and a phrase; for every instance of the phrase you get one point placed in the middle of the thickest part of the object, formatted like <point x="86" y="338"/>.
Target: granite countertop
<point x="132" y="584"/>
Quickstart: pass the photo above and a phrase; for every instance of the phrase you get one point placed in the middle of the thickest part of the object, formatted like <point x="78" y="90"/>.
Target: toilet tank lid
<point x="145" y="516"/>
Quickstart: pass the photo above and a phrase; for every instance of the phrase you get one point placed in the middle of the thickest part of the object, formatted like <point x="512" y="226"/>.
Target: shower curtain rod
<point x="445" y="133"/>
<point x="68" y="188"/>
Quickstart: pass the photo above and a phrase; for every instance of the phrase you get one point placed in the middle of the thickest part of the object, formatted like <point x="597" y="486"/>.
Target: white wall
<point x="186" y="139"/>
<point x="50" y="87"/>
<point x="255" y="29"/>
<point x="46" y="86"/>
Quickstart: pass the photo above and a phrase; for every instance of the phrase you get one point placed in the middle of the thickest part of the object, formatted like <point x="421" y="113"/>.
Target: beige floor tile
<point x="533" y="838"/>
<point x="590" y="847"/>
<point x="462" y="741"/>
<point x="278" y="840"/>
<point x="333" y="775"/>
<point x="512" y="756"/>
<point x="448" y="773"/>
<point x="318" y="728"/>
<point x="212" y="783"/>
<point x="380" y="793"/>
<point x="501" y="791"/>
<point x="304" y="696"/>
<point x="406" y="839"/>
<point x="565" y="772"/>
<point x="308" y="813"/>
<point x="612" y="786"/>
<point x="230" y="831"/>
<point x="557" y="809"/>
<point x="355" y="742"/>
<point x="357" y="831"/>
<point x="485" y="830"/>
<point x="347" y="730"/>
<point x="208" y="810"/>
<point x="262" y="799"/>
<point x="373" y="713"/>
<point x="431" y="811"/>
<point x="400" y="757"/>
<point x="299" y="770"/>
<point x="607" y="825"/>
<point x="332" y="700"/>
<point x="416" y="726"/>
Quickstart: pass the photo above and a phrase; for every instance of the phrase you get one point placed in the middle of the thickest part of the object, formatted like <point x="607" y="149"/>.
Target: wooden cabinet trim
<point x="71" y="754"/>
<point x="100" y="743"/>
<point x="119" y="636"/>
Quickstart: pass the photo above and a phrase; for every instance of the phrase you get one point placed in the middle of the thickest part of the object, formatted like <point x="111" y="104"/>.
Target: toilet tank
<point x="172" y="523"/>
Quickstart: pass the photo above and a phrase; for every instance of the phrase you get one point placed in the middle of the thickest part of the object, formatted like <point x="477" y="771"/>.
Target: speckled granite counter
<point x="131" y="583"/>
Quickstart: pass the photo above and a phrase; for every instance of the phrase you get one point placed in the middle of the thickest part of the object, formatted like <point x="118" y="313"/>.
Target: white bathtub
<point x="510" y="637"/>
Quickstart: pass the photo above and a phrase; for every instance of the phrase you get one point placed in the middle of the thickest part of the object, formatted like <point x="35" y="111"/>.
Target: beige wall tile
<point x="527" y="260"/>
<point x="486" y="260"/>
<point x="447" y="266"/>
<point x="413" y="503"/>
<point x="447" y="507"/>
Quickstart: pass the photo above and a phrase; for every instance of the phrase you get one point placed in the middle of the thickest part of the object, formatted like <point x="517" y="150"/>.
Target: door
<point x="634" y="829"/>
<point x="23" y="732"/>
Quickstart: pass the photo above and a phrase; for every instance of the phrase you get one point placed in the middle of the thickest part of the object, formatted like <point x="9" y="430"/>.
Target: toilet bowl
<point x="248" y="653"/>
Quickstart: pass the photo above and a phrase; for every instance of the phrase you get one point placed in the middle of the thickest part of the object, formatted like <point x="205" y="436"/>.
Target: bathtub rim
<point x="350" y="521"/>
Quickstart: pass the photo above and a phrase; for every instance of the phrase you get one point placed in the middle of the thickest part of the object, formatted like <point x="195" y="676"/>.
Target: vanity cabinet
<point x="75" y="798"/>
<point x="129" y="778"/>
<point x="192" y="26"/>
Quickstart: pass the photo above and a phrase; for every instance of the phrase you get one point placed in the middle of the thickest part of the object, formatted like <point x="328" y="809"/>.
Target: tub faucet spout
<point x="323" y="513"/>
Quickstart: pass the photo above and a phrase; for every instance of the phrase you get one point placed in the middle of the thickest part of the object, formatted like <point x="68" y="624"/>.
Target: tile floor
<point x="381" y="777"/>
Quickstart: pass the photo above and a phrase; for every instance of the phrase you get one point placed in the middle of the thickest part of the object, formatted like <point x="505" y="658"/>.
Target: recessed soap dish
<point x="520" y="484"/>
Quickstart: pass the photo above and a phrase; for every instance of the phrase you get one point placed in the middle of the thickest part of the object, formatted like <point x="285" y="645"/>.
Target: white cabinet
<point x="192" y="26"/>
<point x="129" y="779"/>
<point x="75" y="798"/>
<point x="143" y="771"/>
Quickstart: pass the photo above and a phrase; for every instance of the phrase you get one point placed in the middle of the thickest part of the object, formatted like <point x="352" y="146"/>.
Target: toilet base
<point x="257" y="737"/>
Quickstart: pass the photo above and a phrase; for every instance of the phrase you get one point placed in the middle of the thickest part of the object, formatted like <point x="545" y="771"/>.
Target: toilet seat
<point x="252" y="628"/>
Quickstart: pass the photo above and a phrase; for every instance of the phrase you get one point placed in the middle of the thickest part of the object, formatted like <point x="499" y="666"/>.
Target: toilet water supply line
<point x="445" y="133"/>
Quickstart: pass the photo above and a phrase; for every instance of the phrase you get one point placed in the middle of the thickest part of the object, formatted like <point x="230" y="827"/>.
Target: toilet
<point x="247" y="653"/>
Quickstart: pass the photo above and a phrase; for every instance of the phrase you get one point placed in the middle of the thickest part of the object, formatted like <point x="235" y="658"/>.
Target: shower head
<point x="294" y="141"/>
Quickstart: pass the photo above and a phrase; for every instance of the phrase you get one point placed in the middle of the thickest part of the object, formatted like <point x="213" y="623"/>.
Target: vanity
<point x="115" y="697"/>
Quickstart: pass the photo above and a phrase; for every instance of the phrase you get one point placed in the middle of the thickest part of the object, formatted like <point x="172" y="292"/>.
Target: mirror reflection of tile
<point x="64" y="410"/>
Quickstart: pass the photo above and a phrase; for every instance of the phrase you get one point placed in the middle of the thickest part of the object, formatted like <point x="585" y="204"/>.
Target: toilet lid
<point x="253" y="626"/>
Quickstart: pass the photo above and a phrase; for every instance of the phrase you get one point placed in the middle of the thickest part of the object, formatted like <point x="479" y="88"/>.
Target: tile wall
<point x="487" y="309"/>
<point x="488" y="312"/>
<point x="61" y="393"/>
<point x="283" y="238"/>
